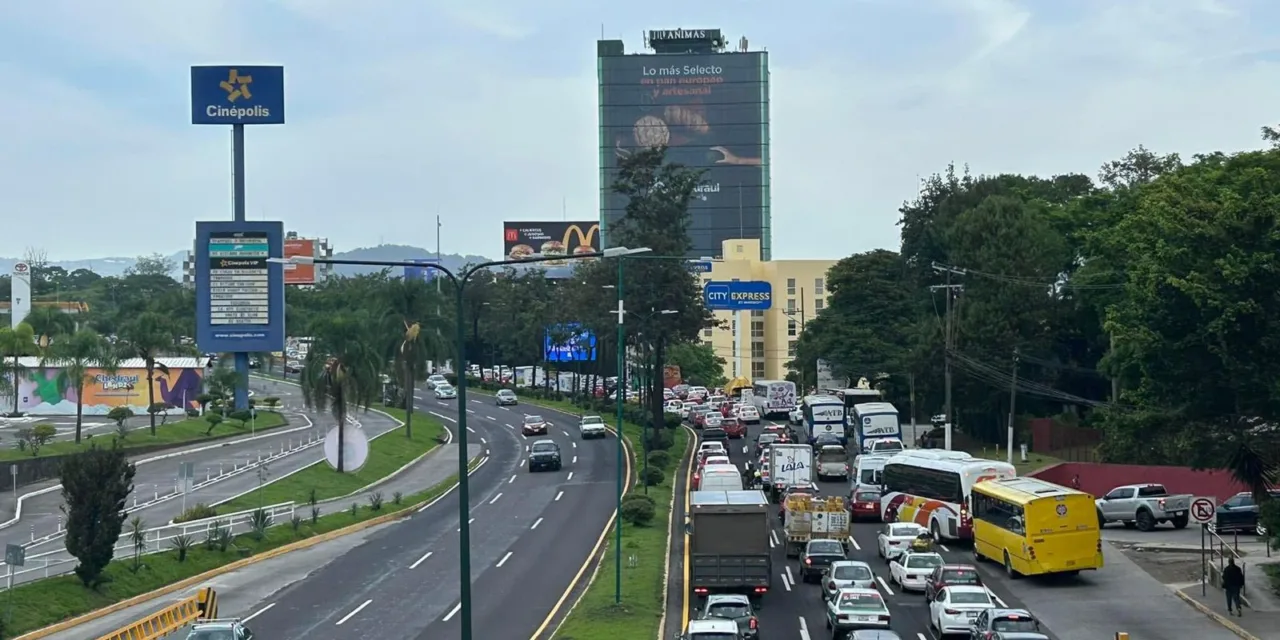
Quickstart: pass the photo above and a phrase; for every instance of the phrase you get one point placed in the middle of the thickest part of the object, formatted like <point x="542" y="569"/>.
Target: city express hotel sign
<point x="524" y="239"/>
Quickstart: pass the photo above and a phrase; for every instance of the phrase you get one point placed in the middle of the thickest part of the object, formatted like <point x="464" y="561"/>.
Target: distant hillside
<point x="100" y="266"/>
<point x="398" y="253"/>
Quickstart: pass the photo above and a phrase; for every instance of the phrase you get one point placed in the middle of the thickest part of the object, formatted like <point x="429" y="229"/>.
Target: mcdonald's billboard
<point x="523" y="239"/>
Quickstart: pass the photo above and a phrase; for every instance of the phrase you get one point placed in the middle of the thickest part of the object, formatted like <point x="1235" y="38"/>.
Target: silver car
<point x="846" y="574"/>
<point x="506" y="397"/>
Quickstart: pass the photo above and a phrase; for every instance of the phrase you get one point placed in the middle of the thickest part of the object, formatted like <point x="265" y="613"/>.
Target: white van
<point x="833" y="462"/>
<point x="720" y="477"/>
<point x="867" y="469"/>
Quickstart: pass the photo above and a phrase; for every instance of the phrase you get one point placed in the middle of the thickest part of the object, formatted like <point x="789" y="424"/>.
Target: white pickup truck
<point x="1144" y="506"/>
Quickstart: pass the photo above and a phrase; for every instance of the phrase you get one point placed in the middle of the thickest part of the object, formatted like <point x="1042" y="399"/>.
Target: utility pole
<point x="1013" y="405"/>
<point x="911" y="384"/>
<point x="948" y="341"/>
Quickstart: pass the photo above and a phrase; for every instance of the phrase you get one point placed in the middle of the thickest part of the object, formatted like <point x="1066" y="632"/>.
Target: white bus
<point x="823" y="415"/>
<point x="874" y="420"/>
<point x="773" y="397"/>
<point x="853" y="397"/>
<point x="932" y="488"/>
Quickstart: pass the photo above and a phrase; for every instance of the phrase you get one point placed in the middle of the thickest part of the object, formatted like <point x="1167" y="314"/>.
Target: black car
<point x="544" y="455"/>
<point x="715" y="434"/>
<point x="817" y="556"/>
<point x="1239" y="513"/>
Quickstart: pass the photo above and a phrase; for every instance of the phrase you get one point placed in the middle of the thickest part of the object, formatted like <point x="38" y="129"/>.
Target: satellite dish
<point x="355" y="448"/>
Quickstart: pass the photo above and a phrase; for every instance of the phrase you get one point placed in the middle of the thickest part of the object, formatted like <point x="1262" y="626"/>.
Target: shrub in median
<point x="659" y="459"/>
<point x="638" y="509"/>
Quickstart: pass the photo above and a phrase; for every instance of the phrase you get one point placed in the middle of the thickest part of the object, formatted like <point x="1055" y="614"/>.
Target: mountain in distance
<point x="398" y="253"/>
<point x="114" y="266"/>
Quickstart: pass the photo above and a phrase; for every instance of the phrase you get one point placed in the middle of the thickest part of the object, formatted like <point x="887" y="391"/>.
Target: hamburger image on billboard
<point x="550" y="239"/>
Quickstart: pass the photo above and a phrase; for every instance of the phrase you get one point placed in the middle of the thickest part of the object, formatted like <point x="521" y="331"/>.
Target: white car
<point x="445" y="391"/>
<point x="435" y="380"/>
<point x="895" y="538"/>
<point x="847" y="574"/>
<point x="673" y="407"/>
<point x="796" y="416"/>
<point x="911" y="570"/>
<point x="710" y="629"/>
<point x="716" y="459"/>
<point x="852" y="609"/>
<point x="711" y="420"/>
<point x="748" y="414"/>
<point x="883" y="446"/>
<point x="717" y="447"/>
<point x="592" y="427"/>
<point x="685" y="408"/>
<point x="954" y="608"/>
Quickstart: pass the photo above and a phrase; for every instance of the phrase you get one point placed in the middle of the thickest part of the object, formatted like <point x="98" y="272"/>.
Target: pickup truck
<point x="1144" y="506"/>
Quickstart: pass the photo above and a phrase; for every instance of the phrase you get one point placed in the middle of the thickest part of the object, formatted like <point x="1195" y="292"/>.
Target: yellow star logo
<point x="237" y="86"/>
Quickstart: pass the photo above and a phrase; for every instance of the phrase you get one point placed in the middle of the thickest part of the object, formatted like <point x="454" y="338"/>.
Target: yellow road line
<point x="688" y="480"/>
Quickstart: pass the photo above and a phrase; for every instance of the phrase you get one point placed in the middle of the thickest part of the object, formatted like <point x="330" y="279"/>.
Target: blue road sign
<point x="424" y="274"/>
<point x="700" y="266"/>
<point x="237" y="95"/>
<point x="239" y="295"/>
<point x="736" y="295"/>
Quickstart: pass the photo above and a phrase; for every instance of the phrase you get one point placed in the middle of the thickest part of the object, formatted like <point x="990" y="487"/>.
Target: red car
<point x="950" y="575"/>
<point x="864" y="504"/>
<point x="733" y="428"/>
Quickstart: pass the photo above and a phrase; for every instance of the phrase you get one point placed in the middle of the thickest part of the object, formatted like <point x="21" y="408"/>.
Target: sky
<point x="481" y="111"/>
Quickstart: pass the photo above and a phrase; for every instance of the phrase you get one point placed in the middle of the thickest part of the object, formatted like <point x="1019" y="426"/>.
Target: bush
<point x="659" y="439"/>
<point x="193" y="413"/>
<point x="659" y="459"/>
<point x="119" y="414"/>
<point x="243" y="416"/>
<point x="199" y="511"/>
<point x="653" y="476"/>
<point x="638" y="510"/>
<point x="214" y="420"/>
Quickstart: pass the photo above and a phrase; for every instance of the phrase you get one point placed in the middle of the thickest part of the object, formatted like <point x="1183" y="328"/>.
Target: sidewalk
<point x="433" y="468"/>
<point x="1253" y="625"/>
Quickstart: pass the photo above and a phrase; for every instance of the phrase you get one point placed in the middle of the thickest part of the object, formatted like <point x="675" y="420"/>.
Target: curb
<point x="671" y="516"/>
<point x="239" y="564"/>
<point x="1217" y="617"/>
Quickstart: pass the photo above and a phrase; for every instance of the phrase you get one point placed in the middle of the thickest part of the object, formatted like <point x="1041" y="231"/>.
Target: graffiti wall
<point x="50" y="392"/>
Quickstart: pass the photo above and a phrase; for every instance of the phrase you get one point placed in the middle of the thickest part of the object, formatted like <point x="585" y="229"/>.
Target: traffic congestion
<point x="813" y="517"/>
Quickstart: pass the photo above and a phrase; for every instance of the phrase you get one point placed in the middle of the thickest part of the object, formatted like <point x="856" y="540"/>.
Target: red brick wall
<point x="1098" y="479"/>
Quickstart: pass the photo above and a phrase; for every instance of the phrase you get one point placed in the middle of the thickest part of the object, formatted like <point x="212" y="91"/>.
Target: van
<point x="833" y="462"/>
<point x="720" y="477"/>
<point x="867" y="469"/>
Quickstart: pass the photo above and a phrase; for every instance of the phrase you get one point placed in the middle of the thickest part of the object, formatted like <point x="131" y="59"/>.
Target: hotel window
<point x="757" y="350"/>
<point x="757" y="370"/>
<point x="757" y="314"/>
<point x="818" y="304"/>
<point x="708" y="332"/>
<point x="791" y="304"/>
<point x="757" y="329"/>
<point x="791" y="348"/>
<point x="817" y="286"/>
<point x="792" y="327"/>
<point x="791" y="286"/>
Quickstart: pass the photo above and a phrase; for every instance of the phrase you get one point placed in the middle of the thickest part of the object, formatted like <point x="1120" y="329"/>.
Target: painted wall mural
<point x="50" y="392"/>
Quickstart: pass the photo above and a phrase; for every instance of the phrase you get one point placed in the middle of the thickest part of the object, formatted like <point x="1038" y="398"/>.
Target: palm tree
<point x="1252" y="463"/>
<point x="150" y="336"/>
<point x="343" y="369"/>
<point x="14" y="344"/>
<point x="410" y="304"/>
<point x="77" y="355"/>
<point x="222" y="382"/>
<point x="49" y="323"/>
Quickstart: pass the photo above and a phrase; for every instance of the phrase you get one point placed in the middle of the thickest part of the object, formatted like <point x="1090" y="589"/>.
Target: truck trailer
<point x="729" y="548"/>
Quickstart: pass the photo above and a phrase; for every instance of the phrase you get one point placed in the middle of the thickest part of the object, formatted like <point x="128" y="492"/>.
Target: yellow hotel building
<point x="759" y="344"/>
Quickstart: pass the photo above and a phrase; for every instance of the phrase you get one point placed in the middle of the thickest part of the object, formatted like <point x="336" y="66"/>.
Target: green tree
<point x="50" y="323"/>
<point x="411" y="304"/>
<point x="76" y="356"/>
<point x="698" y="363"/>
<point x="150" y="337"/>
<point x="343" y="368"/>
<point x="95" y="485"/>
<point x="15" y="343"/>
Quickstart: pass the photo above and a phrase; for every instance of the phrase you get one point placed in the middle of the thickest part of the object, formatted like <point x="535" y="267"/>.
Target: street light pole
<point x="622" y="399"/>
<point x="464" y="484"/>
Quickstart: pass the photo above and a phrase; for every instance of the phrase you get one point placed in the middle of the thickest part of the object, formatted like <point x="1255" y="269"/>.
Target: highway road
<point x="1121" y="597"/>
<point x="530" y="535"/>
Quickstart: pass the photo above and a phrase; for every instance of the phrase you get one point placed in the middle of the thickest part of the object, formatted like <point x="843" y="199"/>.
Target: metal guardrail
<point x="158" y="539"/>
<point x="202" y="606"/>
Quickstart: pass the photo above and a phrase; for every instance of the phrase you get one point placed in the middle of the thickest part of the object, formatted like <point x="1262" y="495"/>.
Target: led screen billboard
<point x="711" y="111"/>
<point x="523" y="239"/>
<point x="569" y="343"/>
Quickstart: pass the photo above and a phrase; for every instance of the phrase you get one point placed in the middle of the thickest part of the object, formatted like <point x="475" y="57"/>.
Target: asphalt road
<point x="530" y="535"/>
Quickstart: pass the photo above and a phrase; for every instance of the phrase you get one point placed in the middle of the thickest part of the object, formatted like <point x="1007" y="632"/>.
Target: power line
<point x="1062" y="283"/>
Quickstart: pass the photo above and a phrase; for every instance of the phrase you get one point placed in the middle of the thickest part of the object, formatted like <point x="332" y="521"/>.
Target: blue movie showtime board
<point x="239" y="295"/>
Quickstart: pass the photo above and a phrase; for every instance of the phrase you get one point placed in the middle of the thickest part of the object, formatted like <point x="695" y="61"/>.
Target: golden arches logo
<point x="584" y="239"/>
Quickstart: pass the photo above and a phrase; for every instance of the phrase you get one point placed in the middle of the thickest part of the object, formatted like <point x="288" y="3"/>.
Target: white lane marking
<point x="468" y="522"/>
<point x="785" y="584"/>
<point x="566" y="433"/>
<point x="495" y="498"/>
<point x="258" y="612"/>
<point x="526" y="448"/>
<point x="470" y="411"/>
<point x="804" y="629"/>
<point x="856" y="546"/>
<point x="559" y="495"/>
<point x="772" y="544"/>
<point x="477" y="402"/>
<point x="522" y="462"/>
<point x="997" y="599"/>
<point x="512" y="480"/>
<point x="508" y="426"/>
<point x="471" y="430"/>
<point x="944" y="548"/>
<point x="744" y="448"/>
<point x="504" y="559"/>
<point x="790" y="578"/>
<point x="506" y="409"/>
<point x="442" y="416"/>
<point x="417" y="396"/>
<point x="921" y="636"/>
<point x="354" y="612"/>
<point x="575" y="445"/>
<point x="536" y="523"/>
<point x="575" y="460"/>
<point x="773" y="536"/>
<point x="570" y="477"/>
<point x="421" y="560"/>
<point x="524" y="436"/>
<point x="483" y="441"/>
<point x="884" y="585"/>
<point x="452" y="612"/>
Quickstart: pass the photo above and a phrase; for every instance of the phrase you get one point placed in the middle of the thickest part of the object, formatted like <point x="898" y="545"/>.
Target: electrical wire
<point x="1004" y="379"/>
<point x="1031" y="282"/>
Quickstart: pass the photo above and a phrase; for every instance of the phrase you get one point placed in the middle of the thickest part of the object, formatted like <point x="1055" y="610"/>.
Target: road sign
<point x="700" y="266"/>
<point x="15" y="555"/>
<point x="355" y="448"/>
<point x="186" y="470"/>
<point x="237" y="95"/>
<point x="737" y="295"/>
<point x="1202" y="509"/>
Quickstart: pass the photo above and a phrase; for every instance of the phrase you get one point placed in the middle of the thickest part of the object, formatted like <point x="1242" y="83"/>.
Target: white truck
<point x="1144" y="506"/>
<point x="790" y="465"/>
<point x="806" y="518"/>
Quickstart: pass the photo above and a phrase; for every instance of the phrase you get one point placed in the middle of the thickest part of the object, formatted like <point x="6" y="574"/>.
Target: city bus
<point x="1033" y="527"/>
<point x="773" y="397"/>
<point x="874" y="420"/>
<point x="852" y="398"/>
<point x="823" y="415"/>
<point x="932" y="487"/>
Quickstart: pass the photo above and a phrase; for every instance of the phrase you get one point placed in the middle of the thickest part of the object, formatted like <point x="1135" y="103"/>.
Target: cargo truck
<point x="729" y="549"/>
<point x="790" y="465"/>
<point x="806" y="518"/>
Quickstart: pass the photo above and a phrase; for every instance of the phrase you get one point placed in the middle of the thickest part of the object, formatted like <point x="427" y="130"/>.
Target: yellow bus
<point x="1034" y="527"/>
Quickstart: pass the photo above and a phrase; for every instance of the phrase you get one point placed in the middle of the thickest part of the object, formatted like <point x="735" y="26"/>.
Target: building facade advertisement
<point x="299" y="273"/>
<point x="711" y="112"/>
<point x="51" y="392"/>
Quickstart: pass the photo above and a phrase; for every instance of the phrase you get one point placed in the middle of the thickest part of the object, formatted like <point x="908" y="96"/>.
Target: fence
<point x="158" y="539"/>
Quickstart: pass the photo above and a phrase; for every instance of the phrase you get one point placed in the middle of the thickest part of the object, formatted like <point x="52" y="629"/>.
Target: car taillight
<point x="964" y="514"/>
<point x="700" y="590"/>
<point x="761" y="589"/>
<point x="808" y="560"/>
<point x="952" y="612"/>
<point x="753" y="623"/>
<point x="1032" y="552"/>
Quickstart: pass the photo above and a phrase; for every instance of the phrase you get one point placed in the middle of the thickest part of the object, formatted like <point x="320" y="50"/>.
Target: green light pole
<point x="464" y="484"/>
<point x="622" y="401"/>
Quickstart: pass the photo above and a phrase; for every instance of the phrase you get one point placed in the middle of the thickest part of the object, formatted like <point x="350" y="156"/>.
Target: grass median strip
<point x="45" y="602"/>
<point x="644" y="555"/>
<point x="176" y="433"/>
<point x="387" y="454"/>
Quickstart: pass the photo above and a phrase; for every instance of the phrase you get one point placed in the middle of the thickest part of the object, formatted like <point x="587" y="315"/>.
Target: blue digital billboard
<point x="569" y="343"/>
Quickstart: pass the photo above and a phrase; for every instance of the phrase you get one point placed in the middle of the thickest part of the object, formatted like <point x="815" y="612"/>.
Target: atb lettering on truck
<point x="932" y="489"/>
<point x="773" y="397"/>
<point x="823" y="415"/>
<point x="1033" y="527"/>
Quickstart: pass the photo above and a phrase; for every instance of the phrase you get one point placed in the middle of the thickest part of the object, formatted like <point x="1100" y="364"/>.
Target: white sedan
<point x="672" y="407"/>
<point x="895" y="538"/>
<point x="748" y="414"/>
<point x="955" y="607"/>
<point x="445" y="391"/>
<point x="911" y="570"/>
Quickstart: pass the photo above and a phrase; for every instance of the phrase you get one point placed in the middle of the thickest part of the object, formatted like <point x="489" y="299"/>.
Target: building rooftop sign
<point x="681" y="40"/>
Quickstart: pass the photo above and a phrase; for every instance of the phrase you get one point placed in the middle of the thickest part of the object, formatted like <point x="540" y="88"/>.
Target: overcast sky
<point x="482" y="111"/>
